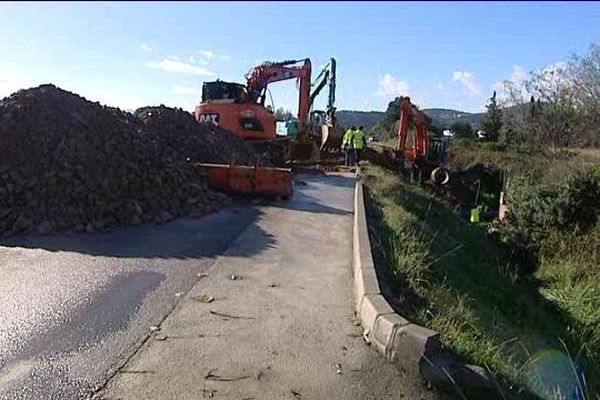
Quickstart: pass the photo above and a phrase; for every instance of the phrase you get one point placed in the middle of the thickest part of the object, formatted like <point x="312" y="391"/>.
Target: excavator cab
<point x="226" y="104"/>
<point x="222" y="92"/>
<point x="317" y="120"/>
<point x="438" y="149"/>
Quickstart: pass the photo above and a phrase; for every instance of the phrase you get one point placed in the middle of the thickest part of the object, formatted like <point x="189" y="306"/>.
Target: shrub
<point x="578" y="201"/>
<point x="538" y="209"/>
<point x="463" y="130"/>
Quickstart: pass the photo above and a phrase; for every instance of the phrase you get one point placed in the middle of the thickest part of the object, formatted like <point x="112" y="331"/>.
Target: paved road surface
<point x="285" y="330"/>
<point x="74" y="308"/>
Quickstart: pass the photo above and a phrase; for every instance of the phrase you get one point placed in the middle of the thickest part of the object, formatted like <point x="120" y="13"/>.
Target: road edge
<point x="406" y="344"/>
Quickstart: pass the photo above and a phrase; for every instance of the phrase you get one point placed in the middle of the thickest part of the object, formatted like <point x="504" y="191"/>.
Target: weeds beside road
<point x="536" y="329"/>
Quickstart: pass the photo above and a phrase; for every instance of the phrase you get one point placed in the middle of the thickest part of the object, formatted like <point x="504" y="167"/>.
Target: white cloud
<point x="211" y="55"/>
<point x="552" y="76"/>
<point x="145" y="48"/>
<point x="171" y="64"/>
<point x="390" y="87"/>
<point x="518" y="74"/>
<point x="516" y="79"/>
<point x="469" y="81"/>
<point x="208" y="54"/>
<point x="194" y="60"/>
<point x="555" y="73"/>
<point x="186" y="89"/>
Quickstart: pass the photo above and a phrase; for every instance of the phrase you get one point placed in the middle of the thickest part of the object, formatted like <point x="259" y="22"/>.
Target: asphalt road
<point x="74" y="308"/>
<point x="285" y="329"/>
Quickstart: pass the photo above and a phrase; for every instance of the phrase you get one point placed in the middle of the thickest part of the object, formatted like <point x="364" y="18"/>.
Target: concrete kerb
<point x="410" y="347"/>
<point x="405" y="344"/>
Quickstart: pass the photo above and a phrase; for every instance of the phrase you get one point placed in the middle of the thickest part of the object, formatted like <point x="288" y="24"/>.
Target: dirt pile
<point x="270" y="152"/>
<point x="71" y="164"/>
<point x="181" y="137"/>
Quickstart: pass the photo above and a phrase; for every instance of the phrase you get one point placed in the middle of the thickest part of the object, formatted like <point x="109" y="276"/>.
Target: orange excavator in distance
<point x="425" y="154"/>
<point x="241" y="109"/>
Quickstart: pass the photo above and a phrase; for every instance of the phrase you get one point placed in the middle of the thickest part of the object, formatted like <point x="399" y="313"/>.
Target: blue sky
<point x="442" y="54"/>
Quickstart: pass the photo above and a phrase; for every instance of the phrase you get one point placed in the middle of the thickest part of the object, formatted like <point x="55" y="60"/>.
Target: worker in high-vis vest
<point x="359" y="142"/>
<point x="476" y="214"/>
<point x="348" y="146"/>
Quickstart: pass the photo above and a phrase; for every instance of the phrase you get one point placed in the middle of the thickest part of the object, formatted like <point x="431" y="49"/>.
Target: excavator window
<point x="221" y="91"/>
<point x="251" y="124"/>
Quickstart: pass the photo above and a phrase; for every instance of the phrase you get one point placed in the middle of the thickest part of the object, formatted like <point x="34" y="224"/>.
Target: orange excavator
<point x="241" y="109"/>
<point x="425" y="154"/>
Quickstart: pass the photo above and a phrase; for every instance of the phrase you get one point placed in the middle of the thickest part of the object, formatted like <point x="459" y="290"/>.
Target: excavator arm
<point x="259" y="78"/>
<point x="425" y="155"/>
<point x="410" y="114"/>
<point x="326" y="76"/>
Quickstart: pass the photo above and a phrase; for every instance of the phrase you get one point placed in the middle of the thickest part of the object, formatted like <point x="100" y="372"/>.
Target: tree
<point x="387" y="126"/>
<point x="463" y="130"/>
<point x="492" y="120"/>
<point x="283" y="115"/>
<point x="552" y="117"/>
<point x="557" y="106"/>
<point x="435" y="130"/>
<point x="586" y="89"/>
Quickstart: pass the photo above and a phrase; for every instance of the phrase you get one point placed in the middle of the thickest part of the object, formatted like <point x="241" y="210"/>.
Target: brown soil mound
<point x="181" y="137"/>
<point x="71" y="164"/>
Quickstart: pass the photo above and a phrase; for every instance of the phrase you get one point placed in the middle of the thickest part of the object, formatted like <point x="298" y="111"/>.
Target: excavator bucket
<point x="331" y="138"/>
<point x="303" y="151"/>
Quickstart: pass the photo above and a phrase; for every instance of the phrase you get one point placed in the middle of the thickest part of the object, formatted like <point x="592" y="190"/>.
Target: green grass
<point x="447" y="274"/>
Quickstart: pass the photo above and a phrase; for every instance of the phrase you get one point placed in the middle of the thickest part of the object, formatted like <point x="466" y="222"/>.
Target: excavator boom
<point x="425" y="154"/>
<point x="329" y="131"/>
<point x="259" y="78"/>
<point x="410" y="114"/>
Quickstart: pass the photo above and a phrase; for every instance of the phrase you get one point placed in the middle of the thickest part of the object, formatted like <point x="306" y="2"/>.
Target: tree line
<point x="556" y="108"/>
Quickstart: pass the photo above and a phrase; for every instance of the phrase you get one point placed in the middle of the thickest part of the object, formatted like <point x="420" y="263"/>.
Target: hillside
<point x="442" y="118"/>
<point x="368" y="119"/>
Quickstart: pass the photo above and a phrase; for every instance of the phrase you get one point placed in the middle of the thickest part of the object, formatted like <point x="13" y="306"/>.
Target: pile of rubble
<point x="181" y="137"/>
<point x="69" y="164"/>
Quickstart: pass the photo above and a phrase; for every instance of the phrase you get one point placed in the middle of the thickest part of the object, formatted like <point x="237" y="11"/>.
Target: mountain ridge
<point x="442" y="117"/>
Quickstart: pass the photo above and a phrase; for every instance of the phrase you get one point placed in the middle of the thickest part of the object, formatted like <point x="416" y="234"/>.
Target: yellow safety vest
<point x="475" y="214"/>
<point x="359" y="139"/>
<point x="347" y="140"/>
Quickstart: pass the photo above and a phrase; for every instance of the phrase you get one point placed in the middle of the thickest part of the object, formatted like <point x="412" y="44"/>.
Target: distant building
<point x="447" y="133"/>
